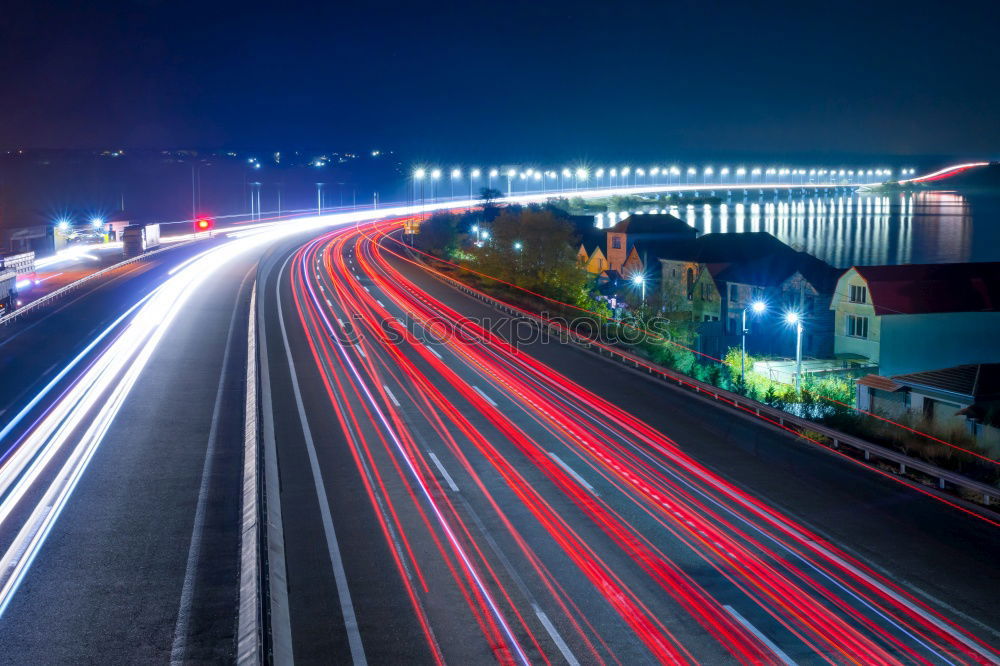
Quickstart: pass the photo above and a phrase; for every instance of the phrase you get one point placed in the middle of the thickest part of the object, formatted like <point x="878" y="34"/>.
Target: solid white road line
<point x="785" y="659"/>
<point x="569" y="470"/>
<point x="340" y="576"/>
<point x="556" y="638"/>
<point x="444" y="472"/>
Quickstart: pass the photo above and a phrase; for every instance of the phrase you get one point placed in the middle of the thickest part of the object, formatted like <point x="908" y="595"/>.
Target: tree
<point x="438" y="234"/>
<point x="534" y="249"/>
<point x="489" y="196"/>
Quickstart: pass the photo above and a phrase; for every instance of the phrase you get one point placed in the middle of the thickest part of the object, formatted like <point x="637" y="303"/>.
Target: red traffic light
<point x="202" y="224"/>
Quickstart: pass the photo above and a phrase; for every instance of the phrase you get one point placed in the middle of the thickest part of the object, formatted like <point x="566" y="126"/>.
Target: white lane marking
<point x="556" y="638"/>
<point x="340" y="321"/>
<point x="339" y="574"/>
<point x="433" y="351"/>
<point x="569" y="470"/>
<point x="365" y="288"/>
<point x="328" y="302"/>
<point x="390" y="394"/>
<point x="484" y="396"/>
<point x="380" y="304"/>
<point x="785" y="659"/>
<point x="444" y="472"/>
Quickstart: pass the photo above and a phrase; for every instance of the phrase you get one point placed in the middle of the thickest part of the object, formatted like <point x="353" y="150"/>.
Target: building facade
<point x="917" y="317"/>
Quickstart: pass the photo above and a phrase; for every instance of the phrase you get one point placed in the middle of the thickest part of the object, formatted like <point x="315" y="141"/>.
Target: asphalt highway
<point x="464" y="501"/>
<point x="445" y="495"/>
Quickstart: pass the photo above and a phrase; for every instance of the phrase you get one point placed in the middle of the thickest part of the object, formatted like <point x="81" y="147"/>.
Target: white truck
<point x="139" y="238"/>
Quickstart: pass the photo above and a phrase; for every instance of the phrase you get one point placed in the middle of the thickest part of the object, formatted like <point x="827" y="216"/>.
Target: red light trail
<point x="654" y="544"/>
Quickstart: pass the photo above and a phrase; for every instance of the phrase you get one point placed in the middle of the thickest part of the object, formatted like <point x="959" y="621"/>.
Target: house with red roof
<point x="917" y="317"/>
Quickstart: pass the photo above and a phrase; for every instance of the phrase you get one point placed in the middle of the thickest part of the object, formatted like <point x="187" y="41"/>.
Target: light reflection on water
<point x="859" y="229"/>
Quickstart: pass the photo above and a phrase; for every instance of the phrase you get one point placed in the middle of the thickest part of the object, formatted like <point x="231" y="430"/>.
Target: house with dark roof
<point x="716" y="276"/>
<point x="963" y="398"/>
<point x="634" y="244"/>
<point x="915" y="317"/>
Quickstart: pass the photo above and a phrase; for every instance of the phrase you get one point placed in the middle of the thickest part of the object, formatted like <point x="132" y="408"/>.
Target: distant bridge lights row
<point x="540" y="180"/>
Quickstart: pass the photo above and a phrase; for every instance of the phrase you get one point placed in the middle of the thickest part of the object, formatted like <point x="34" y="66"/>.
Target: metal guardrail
<point x="872" y="453"/>
<point x="62" y="291"/>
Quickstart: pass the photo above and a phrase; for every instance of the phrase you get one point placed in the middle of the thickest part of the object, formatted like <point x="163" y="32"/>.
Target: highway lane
<point x="142" y="564"/>
<point x="515" y="533"/>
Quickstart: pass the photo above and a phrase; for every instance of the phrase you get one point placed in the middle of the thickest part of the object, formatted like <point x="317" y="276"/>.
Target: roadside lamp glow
<point x="639" y="280"/>
<point x="581" y="174"/>
<point x="96" y="222"/>
<point x="757" y="308"/>
<point x="435" y="174"/>
<point x="517" y="245"/>
<point x="511" y="173"/>
<point x="456" y="173"/>
<point x="475" y="173"/>
<point x="418" y="174"/>
<point x="63" y="225"/>
<point x="793" y="319"/>
<point x="494" y="173"/>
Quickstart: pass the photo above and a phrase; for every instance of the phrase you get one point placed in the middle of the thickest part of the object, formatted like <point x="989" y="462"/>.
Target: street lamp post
<point x="795" y="320"/>
<point x="639" y="280"/>
<point x="757" y="307"/>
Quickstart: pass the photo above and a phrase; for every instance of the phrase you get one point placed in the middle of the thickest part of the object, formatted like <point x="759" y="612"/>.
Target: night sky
<point x="505" y="79"/>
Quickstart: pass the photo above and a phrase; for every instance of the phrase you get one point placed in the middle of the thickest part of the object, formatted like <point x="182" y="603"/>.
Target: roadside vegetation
<point x="533" y="249"/>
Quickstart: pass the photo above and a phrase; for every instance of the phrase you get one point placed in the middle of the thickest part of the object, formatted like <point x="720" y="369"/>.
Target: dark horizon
<point x="451" y="81"/>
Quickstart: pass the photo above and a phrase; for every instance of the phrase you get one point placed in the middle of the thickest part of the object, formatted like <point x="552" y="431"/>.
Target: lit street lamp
<point x="96" y="222"/>
<point x="435" y="176"/>
<point x="757" y="307"/>
<point x="639" y="280"/>
<point x="793" y="319"/>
